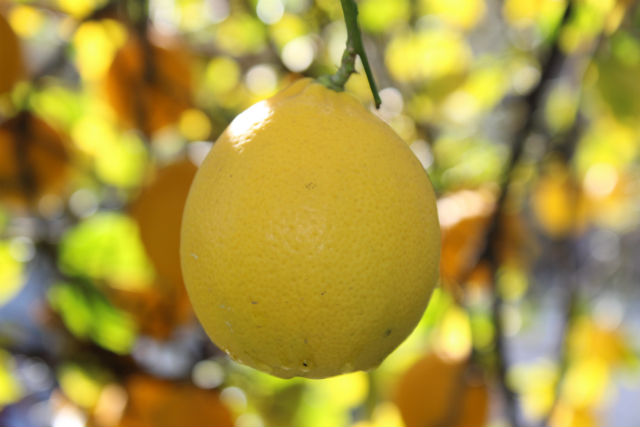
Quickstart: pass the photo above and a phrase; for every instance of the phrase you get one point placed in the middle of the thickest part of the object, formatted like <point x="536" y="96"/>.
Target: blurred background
<point x="525" y="113"/>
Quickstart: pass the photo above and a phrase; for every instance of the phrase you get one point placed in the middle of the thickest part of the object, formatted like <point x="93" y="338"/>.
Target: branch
<point x="489" y="252"/>
<point x="565" y="148"/>
<point x="354" y="48"/>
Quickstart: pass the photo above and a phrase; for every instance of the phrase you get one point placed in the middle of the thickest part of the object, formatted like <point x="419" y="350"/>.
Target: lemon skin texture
<point x="310" y="239"/>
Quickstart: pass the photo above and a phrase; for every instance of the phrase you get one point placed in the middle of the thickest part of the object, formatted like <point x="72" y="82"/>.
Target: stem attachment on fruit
<point x="354" y="48"/>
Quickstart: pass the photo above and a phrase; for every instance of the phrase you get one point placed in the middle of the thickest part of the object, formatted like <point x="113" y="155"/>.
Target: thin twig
<point x="566" y="151"/>
<point x="354" y="48"/>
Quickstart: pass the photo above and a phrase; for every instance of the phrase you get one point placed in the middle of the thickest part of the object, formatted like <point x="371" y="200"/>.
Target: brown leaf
<point x="12" y="68"/>
<point x="438" y="392"/>
<point x="158" y="212"/>
<point x="34" y="160"/>
<point x="148" y="86"/>
<point x="159" y="403"/>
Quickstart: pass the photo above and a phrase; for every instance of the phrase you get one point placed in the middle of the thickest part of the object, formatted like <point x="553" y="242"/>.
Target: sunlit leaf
<point x="88" y="314"/>
<point x="452" y="338"/>
<point x="4" y="219"/>
<point x="386" y="414"/>
<point x="430" y="53"/>
<point x="58" y="105"/>
<point x="192" y="15"/>
<point x="536" y="382"/>
<point x="11" y="273"/>
<point x="483" y="89"/>
<point x="588" y="338"/>
<point x="616" y="82"/>
<point x="79" y="8"/>
<point x="82" y="383"/>
<point x="543" y="14"/>
<point x="612" y="198"/>
<point x="606" y="141"/>
<point x="330" y="7"/>
<point x="482" y="331"/>
<point x="554" y="201"/>
<point x="512" y="282"/>
<point x="380" y="15"/>
<point x="120" y="158"/>
<point x="194" y="125"/>
<point x="106" y="37"/>
<point x="122" y="161"/>
<point x="586" y="381"/>
<point x="26" y="20"/>
<point x="329" y="401"/>
<point x="10" y="388"/>
<point x="240" y="34"/>
<point x="567" y="416"/>
<point x="625" y="48"/>
<point x="221" y="75"/>
<point x="287" y="29"/>
<point x="465" y="163"/>
<point x="561" y="108"/>
<point x="344" y="391"/>
<point x="464" y="14"/>
<point x="587" y="21"/>
<point x="106" y="246"/>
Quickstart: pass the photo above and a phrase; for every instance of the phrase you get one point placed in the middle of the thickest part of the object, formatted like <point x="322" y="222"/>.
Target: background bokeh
<point x="525" y="113"/>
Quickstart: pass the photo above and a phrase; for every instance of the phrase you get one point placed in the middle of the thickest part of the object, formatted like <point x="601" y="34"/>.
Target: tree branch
<point x="489" y="252"/>
<point x="354" y="48"/>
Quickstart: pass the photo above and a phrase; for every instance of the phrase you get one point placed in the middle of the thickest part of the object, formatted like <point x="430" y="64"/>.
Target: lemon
<point x="310" y="240"/>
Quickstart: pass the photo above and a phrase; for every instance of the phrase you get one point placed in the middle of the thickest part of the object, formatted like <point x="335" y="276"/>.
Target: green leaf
<point x="106" y="246"/>
<point x="88" y="314"/>
<point x="467" y="163"/>
<point x="58" y="105"/>
<point x="381" y="15"/>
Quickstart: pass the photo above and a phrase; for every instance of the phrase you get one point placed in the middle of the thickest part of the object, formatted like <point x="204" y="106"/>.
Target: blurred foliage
<point x="87" y="314"/>
<point x="106" y="247"/>
<point x="108" y="106"/>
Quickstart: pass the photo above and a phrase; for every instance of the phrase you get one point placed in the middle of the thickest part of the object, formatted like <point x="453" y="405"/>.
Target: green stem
<point x="354" y="48"/>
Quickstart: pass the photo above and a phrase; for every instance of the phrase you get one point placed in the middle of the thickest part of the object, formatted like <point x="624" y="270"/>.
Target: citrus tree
<point x="516" y="120"/>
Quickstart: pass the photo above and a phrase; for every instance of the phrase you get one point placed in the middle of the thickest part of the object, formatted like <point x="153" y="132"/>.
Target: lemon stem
<point x="354" y="48"/>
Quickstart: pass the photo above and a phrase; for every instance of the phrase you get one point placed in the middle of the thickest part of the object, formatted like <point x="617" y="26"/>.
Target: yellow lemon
<point x="310" y="239"/>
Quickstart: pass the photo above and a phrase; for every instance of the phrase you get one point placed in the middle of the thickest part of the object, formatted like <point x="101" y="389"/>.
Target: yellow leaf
<point x="11" y="273"/>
